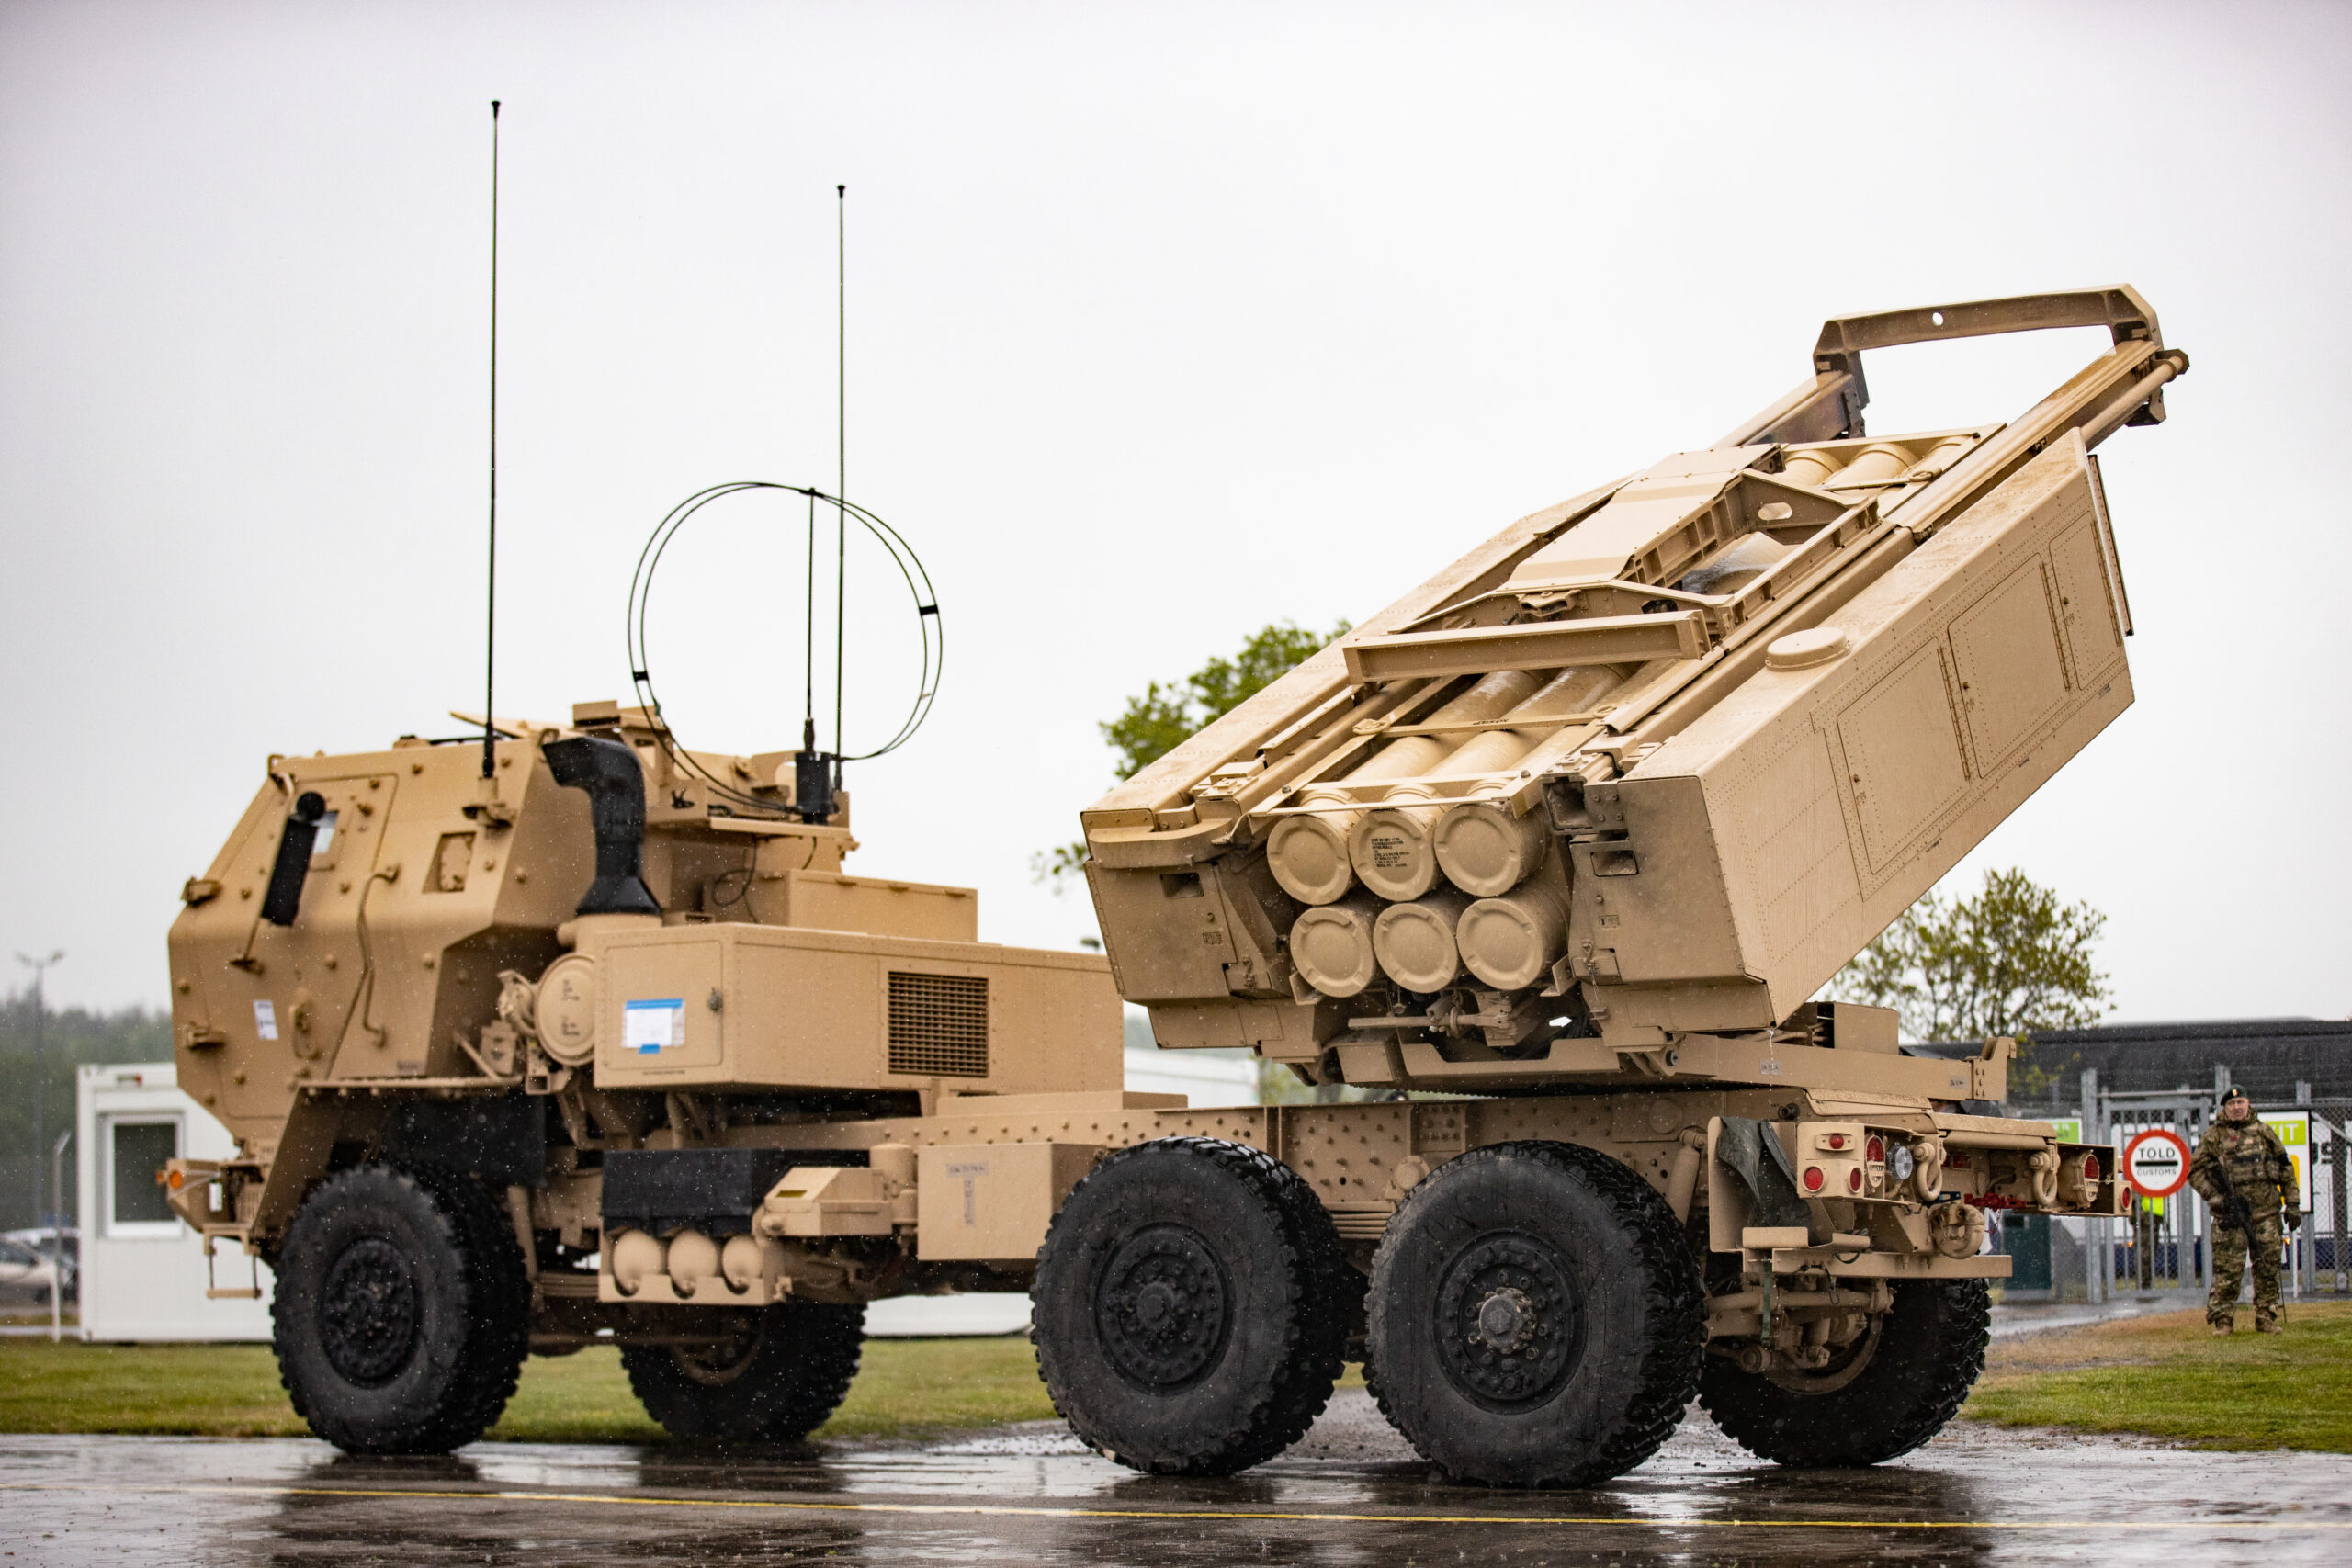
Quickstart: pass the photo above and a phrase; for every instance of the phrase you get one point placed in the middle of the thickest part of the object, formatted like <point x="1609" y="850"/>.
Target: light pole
<point x="57" y="1240"/>
<point x="39" y="966"/>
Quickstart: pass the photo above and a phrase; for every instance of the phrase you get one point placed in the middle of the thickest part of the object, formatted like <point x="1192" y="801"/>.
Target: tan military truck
<point x="1556" y="853"/>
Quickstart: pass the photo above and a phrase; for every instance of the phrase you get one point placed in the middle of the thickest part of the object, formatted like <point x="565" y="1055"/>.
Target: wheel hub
<point x="1506" y="1320"/>
<point x="1508" y="1324"/>
<point x="1161" y="1306"/>
<point x="1836" y="1365"/>
<point x="368" y="1311"/>
<point x="1155" y="1304"/>
<point x="720" y="1360"/>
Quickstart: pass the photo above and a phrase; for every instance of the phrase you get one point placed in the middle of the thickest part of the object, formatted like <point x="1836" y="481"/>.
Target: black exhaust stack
<point x="609" y="772"/>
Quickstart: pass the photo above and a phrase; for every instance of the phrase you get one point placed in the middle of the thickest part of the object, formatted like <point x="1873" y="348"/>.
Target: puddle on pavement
<point x="1976" y="1494"/>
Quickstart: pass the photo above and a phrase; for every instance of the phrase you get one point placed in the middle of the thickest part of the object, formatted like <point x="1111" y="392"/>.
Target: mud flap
<point x="1752" y="1151"/>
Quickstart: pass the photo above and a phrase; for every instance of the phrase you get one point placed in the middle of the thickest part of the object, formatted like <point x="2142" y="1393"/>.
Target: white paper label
<point x="266" y="1020"/>
<point x="649" y="1028"/>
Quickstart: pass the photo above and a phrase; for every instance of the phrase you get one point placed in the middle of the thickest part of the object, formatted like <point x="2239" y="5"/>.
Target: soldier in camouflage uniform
<point x="2260" y="1172"/>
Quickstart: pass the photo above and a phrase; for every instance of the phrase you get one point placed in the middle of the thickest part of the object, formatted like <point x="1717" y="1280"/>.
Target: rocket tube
<point x="1486" y="850"/>
<point x="1810" y="467"/>
<point x="1512" y="942"/>
<point x="1415" y="941"/>
<point x="1330" y="945"/>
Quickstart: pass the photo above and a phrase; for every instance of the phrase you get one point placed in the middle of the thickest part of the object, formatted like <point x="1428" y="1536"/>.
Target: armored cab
<point x="561" y="1007"/>
<point x="395" y="920"/>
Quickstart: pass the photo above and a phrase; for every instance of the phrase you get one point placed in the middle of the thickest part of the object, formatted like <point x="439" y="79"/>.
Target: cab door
<point x="289" y="997"/>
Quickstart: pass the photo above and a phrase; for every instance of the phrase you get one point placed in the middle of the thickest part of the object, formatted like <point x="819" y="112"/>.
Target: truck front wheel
<point x="1536" y="1319"/>
<point x="1893" y="1392"/>
<point x="768" y="1374"/>
<point x="402" y="1310"/>
<point x="1191" y="1307"/>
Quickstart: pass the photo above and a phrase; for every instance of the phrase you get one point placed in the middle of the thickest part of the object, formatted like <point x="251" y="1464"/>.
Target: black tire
<point x="1191" y="1307"/>
<point x="1535" y="1317"/>
<point x="777" y="1374"/>
<point x="402" y="1312"/>
<point x="1908" y="1378"/>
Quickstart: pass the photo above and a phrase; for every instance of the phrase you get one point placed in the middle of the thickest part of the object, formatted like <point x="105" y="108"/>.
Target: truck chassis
<point x="601" y="1045"/>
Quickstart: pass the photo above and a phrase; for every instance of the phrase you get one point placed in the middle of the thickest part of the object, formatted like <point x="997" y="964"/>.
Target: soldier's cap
<point x="2234" y="1092"/>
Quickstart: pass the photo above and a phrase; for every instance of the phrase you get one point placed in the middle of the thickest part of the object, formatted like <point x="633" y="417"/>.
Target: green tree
<point x="1164" y="717"/>
<point x="72" y="1038"/>
<point x="1167" y="716"/>
<point x="2013" y="959"/>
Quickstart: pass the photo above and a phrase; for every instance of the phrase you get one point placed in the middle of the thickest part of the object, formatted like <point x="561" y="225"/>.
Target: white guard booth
<point x="143" y="1268"/>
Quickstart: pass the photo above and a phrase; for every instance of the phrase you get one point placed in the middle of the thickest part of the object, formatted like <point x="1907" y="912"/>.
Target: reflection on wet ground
<point x="1351" y="1493"/>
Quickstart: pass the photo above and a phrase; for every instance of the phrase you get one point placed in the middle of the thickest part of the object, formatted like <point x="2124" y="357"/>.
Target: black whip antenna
<point x="809" y="692"/>
<point x="490" y="631"/>
<point x="841" y="453"/>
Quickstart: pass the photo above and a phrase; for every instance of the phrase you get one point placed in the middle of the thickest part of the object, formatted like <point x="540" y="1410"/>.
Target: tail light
<point x="2090" y="1168"/>
<point x="1854" y="1180"/>
<point x="1875" y="1150"/>
<point x="1813" y="1178"/>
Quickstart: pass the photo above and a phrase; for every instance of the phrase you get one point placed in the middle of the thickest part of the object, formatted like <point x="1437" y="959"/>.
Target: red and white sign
<point x="2157" y="1162"/>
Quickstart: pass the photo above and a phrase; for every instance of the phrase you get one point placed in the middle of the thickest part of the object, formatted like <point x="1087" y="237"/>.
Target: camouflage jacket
<point x="2256" y="1162"/>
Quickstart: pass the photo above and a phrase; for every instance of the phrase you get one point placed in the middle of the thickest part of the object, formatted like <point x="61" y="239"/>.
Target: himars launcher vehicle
<point x="1558" y="849"/>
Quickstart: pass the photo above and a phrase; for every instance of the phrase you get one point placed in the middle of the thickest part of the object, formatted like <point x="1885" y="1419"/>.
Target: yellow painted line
<point x="995" y="1510"/>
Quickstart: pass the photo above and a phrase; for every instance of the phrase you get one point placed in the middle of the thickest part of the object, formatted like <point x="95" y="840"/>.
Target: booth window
<point x="135" y="1154"/>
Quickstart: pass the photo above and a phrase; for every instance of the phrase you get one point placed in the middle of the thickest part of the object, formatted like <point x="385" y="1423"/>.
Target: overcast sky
<point x="1165" y="322"/>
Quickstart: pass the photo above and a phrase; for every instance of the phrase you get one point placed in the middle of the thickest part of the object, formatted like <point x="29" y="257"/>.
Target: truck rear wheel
<point x="1535" y="1317"/>
<point x="771" y="1374"/>
<point x="1894" y="1392"/>
<point x="1191" y="1307"/>
<point x="402" y="1310"/>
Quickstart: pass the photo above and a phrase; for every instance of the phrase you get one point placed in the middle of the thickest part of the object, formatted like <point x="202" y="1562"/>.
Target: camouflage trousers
<point x="2229" y="1268"/>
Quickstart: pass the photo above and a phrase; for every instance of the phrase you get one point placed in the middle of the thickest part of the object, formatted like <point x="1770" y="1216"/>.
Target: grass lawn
<point x="905" y="1388"/>
<point x="2165" y="1376"/>
<point x="2161" y="1375"/>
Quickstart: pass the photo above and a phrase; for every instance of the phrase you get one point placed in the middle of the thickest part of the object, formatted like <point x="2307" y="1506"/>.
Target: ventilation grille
<point x="939" y="1024"/>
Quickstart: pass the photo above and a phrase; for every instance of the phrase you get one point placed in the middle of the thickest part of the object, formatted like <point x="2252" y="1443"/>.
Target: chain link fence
<point x="2165" y="1245"/>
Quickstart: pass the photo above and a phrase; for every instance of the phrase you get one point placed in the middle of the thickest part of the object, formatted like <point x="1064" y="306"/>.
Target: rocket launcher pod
<point x="1642" y="771"/>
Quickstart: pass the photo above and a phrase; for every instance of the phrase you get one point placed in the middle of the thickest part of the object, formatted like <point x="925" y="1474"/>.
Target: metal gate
<point x="2166" y="1245"/>
<point x="2160" y="1245"/>
<point x="2324" y="1245"/>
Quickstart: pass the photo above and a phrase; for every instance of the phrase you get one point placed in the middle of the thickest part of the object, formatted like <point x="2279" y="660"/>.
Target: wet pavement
<point x="2015" y="1320"/>
<point x="1351" y="1493"/>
